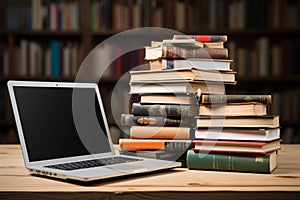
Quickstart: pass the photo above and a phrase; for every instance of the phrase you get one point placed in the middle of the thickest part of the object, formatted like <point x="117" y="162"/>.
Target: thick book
<point x="135" y="120"/>
<point x="233" y="109"/>
<point x="222" y="99"/>
<point x="194" y="52"/>
<point x="238" y="134"/>
<point x="158" y="52"/>
<point x="266" y="121"/>
<point x="202" y="38"/>
<point x="231" y="146"/>
<point x="156" y="132"/>
<point x="184" y="74"/>
<point x="154" y="144"/>
<point x="168" y="99"/>
<point x="176" y="87"/>
<point x="232" y="162"/>
<point x="199" y="63"/>
<point x="164" y="110"/>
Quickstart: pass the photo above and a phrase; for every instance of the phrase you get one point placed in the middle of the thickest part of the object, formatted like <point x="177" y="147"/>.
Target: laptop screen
<point x="58" y="123"/>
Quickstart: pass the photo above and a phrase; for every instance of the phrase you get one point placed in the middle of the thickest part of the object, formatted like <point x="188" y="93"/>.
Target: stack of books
<point x="235" y="133"/>
<point x="162" y="122"/>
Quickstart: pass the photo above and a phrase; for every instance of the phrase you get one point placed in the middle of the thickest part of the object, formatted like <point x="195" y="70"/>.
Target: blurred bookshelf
<point x="263" y="41"/>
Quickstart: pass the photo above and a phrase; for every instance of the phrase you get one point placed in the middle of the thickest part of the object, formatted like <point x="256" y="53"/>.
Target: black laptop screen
<point x="58" y="123"/>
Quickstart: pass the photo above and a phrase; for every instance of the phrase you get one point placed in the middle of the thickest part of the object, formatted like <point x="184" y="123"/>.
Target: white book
<point x="238" y="134"/>
<point x="205" y="64"/>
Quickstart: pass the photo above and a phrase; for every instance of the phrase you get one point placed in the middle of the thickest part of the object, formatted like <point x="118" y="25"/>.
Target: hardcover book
<point x="156" y="132"/>
<point x="184" y="74"/>
<point x="266" y="121"/>
<point x="222" y="99"/>
<point x="168" y="99"/>
<point x="233" y="109"/>
<point x="232" y="162"/>
<point x="154" y="144"/>
<point x="164" y="110"/>
<point x="238" y="134"/>
<point x="230" y="146"/>
<point x="202" y="38"/>
<point x="176" y="87"/>
<point x="199" y="63"/>
<point x="135" y="120"/>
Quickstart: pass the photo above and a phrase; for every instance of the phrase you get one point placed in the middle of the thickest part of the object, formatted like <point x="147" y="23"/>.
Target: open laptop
<point x="64" y="133"/>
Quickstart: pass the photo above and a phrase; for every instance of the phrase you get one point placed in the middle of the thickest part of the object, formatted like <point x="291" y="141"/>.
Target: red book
<point x="202" y="38"/>
<point x="226" y="146"/>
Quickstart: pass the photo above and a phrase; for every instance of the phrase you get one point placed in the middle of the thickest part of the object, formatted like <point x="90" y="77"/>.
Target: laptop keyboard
<point x="93" y="163"/>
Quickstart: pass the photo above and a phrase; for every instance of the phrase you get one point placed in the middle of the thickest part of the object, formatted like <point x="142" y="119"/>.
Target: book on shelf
<point x="175" y="52"/>
<point x="252" y="163"/>
<point x="164" y="110"/>
<point x="168" y="98"/>
<point x="202" y="38"/>
<point x="266" y="121"/>
<point x="233" y="109"/>
<point x="183" y="87"/>
<point x="232" y="146"/>
<point x="187" y="74"/>
<point x="222" y="99"/>
<point x="158" y="132"/>
<point x="136" y="120"/>
<point x="153" y="144"/>
<point x="241" y="134"/>
<point x="199" y="63"/>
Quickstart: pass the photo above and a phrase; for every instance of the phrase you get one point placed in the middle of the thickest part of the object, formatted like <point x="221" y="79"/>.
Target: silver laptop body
<point x="64" y="124"/>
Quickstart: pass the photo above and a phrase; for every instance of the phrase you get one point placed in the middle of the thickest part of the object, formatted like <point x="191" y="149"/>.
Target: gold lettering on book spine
<point x="147" y="121"/>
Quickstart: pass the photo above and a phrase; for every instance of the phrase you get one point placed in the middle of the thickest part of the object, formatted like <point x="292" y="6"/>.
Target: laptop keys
<point x="93" y="163"/>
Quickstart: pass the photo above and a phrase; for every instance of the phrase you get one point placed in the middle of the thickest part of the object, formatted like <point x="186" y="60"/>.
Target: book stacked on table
<point x="162" y="122"/>
<point x="235" y="133"/>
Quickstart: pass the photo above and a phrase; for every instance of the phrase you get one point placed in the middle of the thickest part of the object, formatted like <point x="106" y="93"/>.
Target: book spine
<point x="156" y="132"/>
<point x="164" y="110"/>
<point x="202" y="38"/>
<point x="147" y="144"/>
<point x="132" y="120"/>
<point x="229" y="162"/>
<point x="222" y="99"/>
<point x="194" y="52"/>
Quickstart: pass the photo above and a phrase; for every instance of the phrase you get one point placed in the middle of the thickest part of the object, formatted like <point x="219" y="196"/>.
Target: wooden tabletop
<point x="181" y="182"/>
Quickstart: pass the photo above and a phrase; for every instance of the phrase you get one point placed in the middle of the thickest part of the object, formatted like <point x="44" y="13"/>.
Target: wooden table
<point x="180" y="183"/>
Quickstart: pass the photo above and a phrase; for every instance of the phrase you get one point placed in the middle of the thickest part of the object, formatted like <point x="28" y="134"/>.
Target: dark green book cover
<point x="232" y="162"/>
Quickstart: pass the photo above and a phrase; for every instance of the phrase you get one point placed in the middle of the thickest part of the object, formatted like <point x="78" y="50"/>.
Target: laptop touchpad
<point x="129" y="168"/>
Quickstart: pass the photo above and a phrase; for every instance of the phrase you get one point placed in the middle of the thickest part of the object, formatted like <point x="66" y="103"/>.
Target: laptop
<point x="64" y="133"/>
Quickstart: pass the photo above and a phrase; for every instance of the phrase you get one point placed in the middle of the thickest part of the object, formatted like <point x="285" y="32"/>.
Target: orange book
<point x="157" y="132"/>
<point x="153" y="144"/>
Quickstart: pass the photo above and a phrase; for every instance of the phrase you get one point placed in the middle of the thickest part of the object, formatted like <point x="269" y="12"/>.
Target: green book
<point x="232" y="162"/>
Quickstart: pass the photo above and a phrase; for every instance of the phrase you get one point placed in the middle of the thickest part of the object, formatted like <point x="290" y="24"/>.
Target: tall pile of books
<point x="235" y="133"/>
<point x="162" y="123"/>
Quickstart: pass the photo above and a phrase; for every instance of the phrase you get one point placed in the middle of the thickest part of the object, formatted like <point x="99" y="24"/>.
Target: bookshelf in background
<point x="263" y="35"/>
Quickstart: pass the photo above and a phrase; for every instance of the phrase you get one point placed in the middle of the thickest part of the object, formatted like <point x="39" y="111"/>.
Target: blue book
<point x="55" y="58"/>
